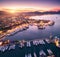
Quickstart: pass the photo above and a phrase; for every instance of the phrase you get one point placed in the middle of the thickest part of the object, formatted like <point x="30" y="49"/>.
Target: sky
<point x="30" y="4"/>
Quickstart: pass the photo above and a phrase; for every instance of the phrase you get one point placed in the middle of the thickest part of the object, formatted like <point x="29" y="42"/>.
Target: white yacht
<point x="42" y="53"/>
<point x="12" y="47"/>
<point x="41" y="42"/>
<point x="21" y="44"/>
<point x="50" y="52"/>
<point x="28" y="44"/>
<point x="35" y="54"/>
<point x="6" y="47"/>
<point x="29" y="55"/>
<point x="47" y="40"/>
<point x="41" y="27"/>
<point x="35" y="42"/>
<point x="3" y="48"/>
<point x="26" y="55"/>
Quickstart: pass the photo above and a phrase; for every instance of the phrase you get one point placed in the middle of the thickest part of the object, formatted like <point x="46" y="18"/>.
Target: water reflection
<point x="33" y="32"/>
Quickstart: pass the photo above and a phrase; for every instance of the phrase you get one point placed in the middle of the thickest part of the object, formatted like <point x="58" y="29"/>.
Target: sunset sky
<point x="30" y="4"/>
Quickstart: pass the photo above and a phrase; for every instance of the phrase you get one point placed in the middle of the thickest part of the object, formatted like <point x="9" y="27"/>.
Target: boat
<point x="50" y="52"/>
<point x="47" y="40"/>
<point x="42" y="54"/>
<point x="51" y="23"/>
<point x="41" y="27"/>
<point x="11" y="47"/>
<point x="35" y="54"/>
<point x="29" y="55"/>
<point x="41" y="42"/>
<point x="3" y="48"/>
<point x="28" y="44"/>
<point x="21" y="45"/>
<point x="26" y="55"/>
<point x="35" y="42"/>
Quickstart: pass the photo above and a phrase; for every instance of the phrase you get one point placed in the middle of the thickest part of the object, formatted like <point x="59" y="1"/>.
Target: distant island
<point x="29" y="13"/>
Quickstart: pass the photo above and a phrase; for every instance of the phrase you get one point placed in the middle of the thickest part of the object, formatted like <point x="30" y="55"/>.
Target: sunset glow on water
<point x="29" y="28"/>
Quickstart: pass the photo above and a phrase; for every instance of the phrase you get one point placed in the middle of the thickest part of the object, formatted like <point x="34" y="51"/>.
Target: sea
<point x="34" y="33"/>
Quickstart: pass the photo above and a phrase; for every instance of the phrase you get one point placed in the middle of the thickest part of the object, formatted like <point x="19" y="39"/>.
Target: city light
<point x="29" y="28"/>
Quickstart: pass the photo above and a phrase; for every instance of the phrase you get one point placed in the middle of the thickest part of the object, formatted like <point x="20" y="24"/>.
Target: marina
<point x="30" y="48"/>
<point x="29" y="28"/>
<point x="29" y="41"/>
